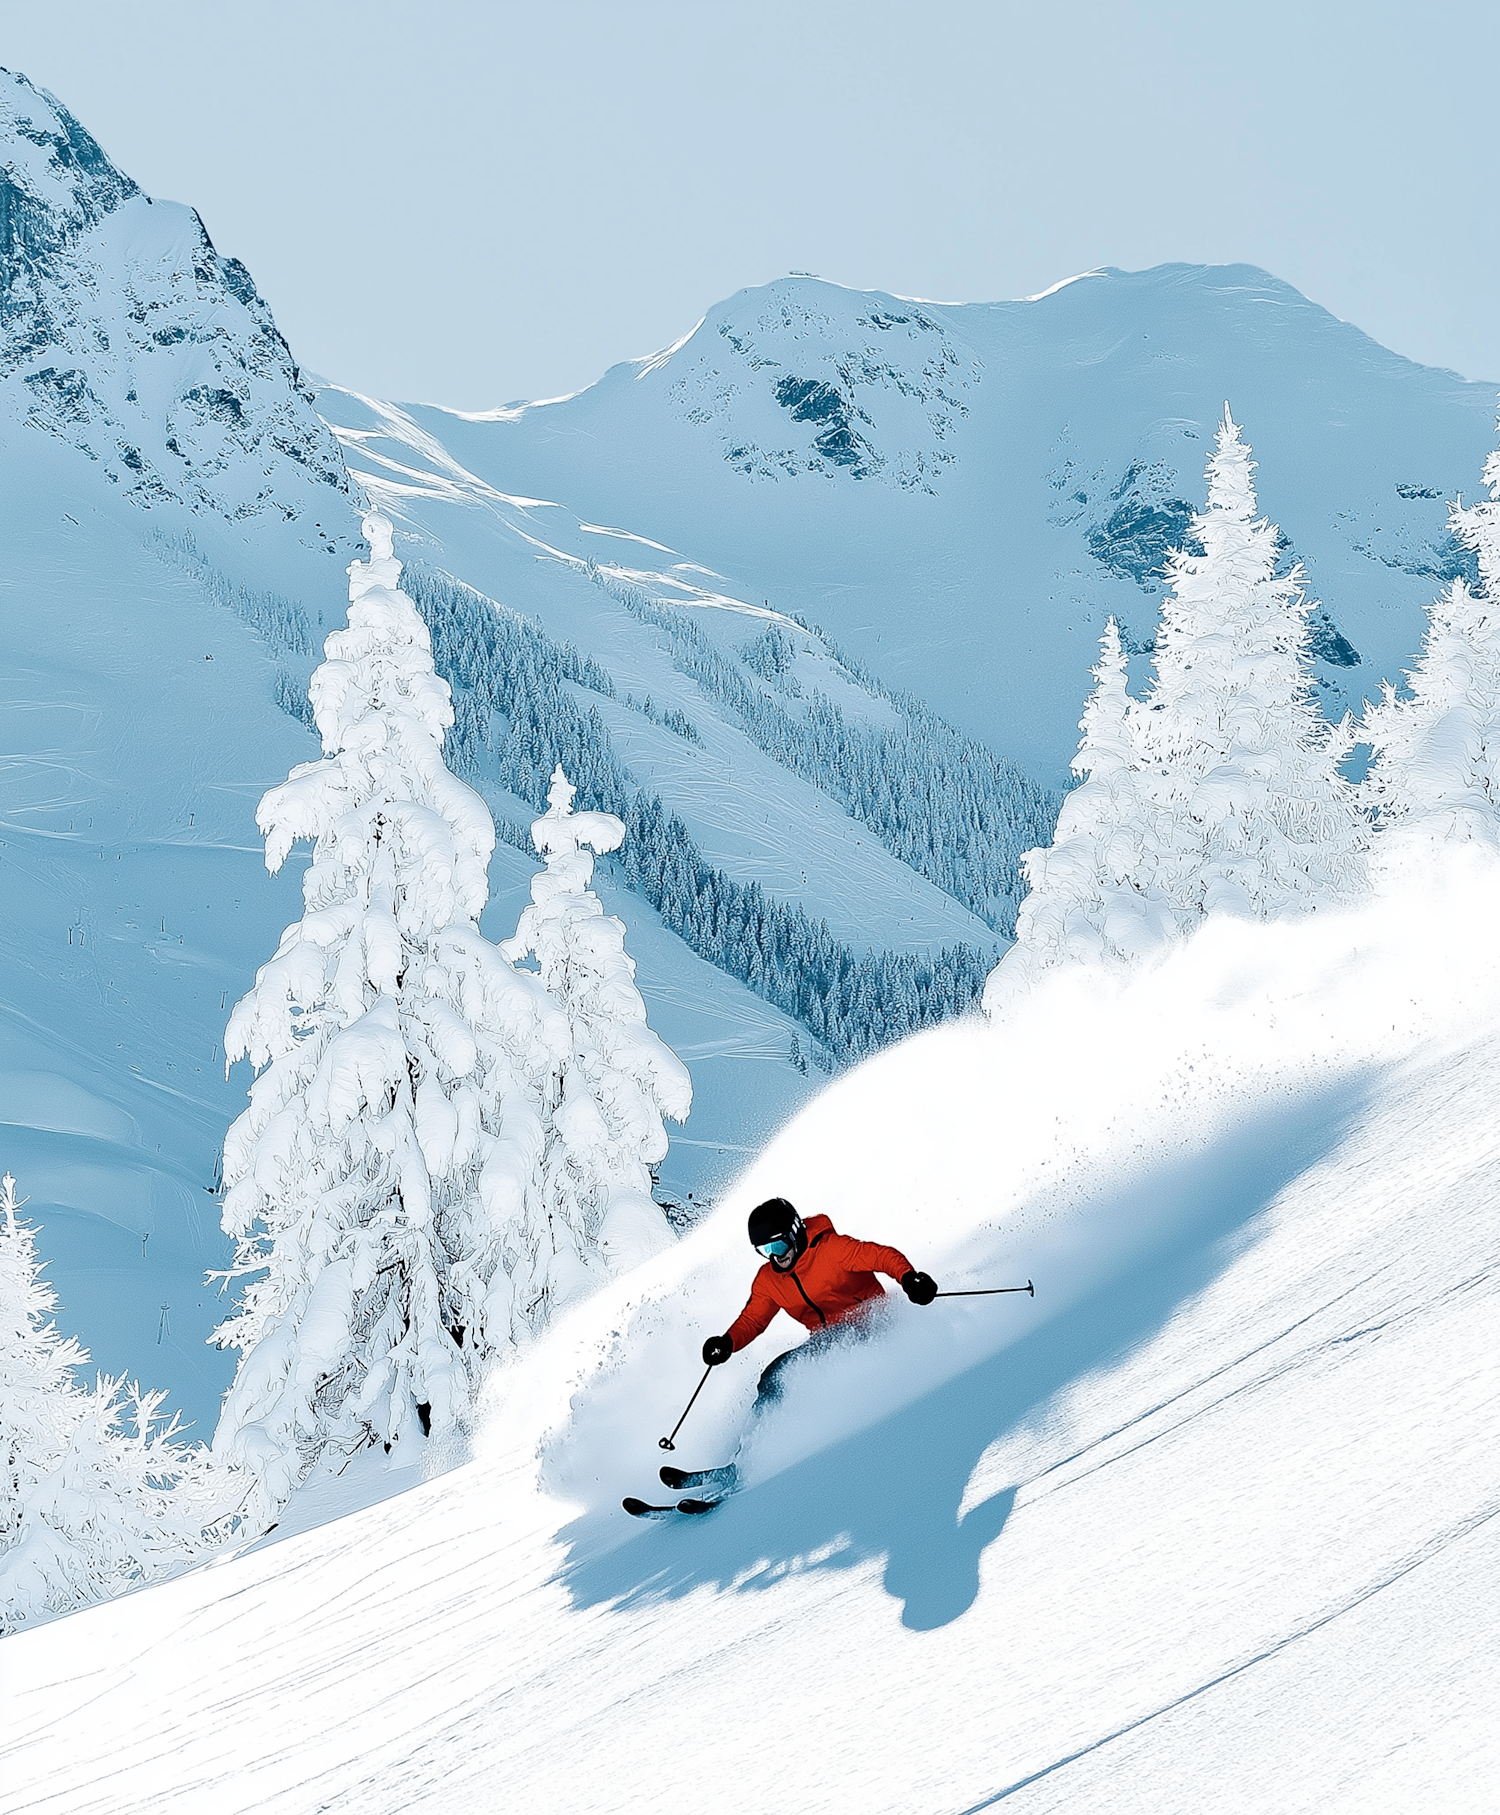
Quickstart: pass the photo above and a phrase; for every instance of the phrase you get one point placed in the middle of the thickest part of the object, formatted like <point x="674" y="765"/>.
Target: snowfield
<point x="1210" y="1524"/>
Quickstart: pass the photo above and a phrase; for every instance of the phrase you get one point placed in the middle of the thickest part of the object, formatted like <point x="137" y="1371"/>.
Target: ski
<point x="724" y="1478"/>
<point x="638" y="1509"/>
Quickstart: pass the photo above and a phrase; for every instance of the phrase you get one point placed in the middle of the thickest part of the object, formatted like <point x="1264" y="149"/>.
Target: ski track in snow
<point x="1209" y="1524"/>
<point x="1432" y="1550"/>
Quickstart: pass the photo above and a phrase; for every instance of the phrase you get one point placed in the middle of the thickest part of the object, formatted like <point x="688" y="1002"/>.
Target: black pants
<point x="772" y="1384"/>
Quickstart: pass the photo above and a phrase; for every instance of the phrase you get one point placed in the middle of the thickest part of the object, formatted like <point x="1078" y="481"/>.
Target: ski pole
<point x="987" y="1292"/>
<point x="666" y="1442"/>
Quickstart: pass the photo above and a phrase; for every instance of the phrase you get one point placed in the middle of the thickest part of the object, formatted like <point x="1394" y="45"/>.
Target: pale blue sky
<point x="471" y="203"/>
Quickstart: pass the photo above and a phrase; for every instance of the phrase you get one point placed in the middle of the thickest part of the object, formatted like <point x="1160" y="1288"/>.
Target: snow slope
<point x="1211" y="1523"/>
<point x="751" y="816"/>
<point x="140" y="729"/>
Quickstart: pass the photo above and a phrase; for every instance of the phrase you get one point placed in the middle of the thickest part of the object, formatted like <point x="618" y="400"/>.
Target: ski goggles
<point x="777" y="1247"/>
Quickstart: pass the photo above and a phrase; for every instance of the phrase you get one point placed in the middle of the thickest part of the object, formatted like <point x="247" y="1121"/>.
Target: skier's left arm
<point x="876" y="1257"/>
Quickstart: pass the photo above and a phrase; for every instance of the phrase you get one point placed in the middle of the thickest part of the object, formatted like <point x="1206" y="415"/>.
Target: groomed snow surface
<point x="1209" y="1525"/>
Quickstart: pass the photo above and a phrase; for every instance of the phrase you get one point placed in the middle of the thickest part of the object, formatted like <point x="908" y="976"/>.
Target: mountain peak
<point x="55" y="180"/>
<point x="128" y="337"/>
<point x="802" y="376"/>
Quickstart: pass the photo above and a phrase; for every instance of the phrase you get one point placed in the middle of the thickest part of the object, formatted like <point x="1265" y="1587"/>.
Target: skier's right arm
<point x="759" y="1309"/>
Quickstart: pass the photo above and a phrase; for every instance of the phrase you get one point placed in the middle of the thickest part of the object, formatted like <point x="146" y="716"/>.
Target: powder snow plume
<point x="1102" y="1120"/>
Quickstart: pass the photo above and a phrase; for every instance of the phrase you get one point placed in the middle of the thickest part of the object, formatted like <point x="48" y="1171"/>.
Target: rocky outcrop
<point x="796" y="383"/>
<point x="127" y="335"/>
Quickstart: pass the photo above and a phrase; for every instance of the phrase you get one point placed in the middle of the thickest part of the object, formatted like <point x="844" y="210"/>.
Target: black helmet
<point x="777" y="1220"/>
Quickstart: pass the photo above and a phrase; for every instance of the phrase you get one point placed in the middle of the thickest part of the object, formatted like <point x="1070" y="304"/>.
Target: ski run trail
<point x="1209" y="1525"/>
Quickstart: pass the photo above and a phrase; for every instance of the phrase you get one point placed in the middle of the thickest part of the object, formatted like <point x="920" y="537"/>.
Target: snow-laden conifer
<point x="1090" y="898"/>
<point x="1437" y="762"/>
<point x="1249" y="813"/>
<point x="1218" y="792"/>
<point x="394" y="1131"/>
<point x="96" y="1493"/>
<point x="617" y="1080"/>
<point x="1437" y="754"/>
<point x="1479" y="526"/>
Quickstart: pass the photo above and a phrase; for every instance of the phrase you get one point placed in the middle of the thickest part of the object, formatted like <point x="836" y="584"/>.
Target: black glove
<point x="920" y="1288"/>
<point x="717" y="1349"/>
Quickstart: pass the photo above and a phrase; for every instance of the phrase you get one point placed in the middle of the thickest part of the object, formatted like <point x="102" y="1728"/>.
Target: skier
<point x="816" y="1275"/>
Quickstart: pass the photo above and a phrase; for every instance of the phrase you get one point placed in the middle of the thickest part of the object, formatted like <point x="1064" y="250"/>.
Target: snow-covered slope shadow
<point x="896" y="1489"/>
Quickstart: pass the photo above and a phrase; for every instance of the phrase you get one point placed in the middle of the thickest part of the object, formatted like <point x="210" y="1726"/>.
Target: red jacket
<point x="833" y="1274"/>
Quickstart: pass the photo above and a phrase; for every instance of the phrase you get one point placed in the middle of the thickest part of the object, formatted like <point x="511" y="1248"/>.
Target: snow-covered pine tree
<point x="1091" y="899"/>
<point x="604" y="1127"/>
<point x="1437" y="754"/>
<point x="1249" y="813"/>
<point x="394" y="1132"/>
<point x="96" y="1493"/>
<point x="1479" y="527"/>
<point x="1220" y="791"/>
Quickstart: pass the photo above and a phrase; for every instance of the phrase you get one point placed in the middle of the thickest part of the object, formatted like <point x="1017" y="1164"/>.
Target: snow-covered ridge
<point x="58" y="182"/>
<point x="130" y="338"/>
<point x="760" y="706"/>
<point x="963" y="493"/>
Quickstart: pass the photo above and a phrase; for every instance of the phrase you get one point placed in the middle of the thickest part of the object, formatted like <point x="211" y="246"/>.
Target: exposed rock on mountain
<point x="128" y="336"/>
<point x="791" y="389"/>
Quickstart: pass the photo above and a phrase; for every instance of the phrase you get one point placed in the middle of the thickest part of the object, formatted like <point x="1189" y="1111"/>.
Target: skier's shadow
<point x="894" y="1489"/>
